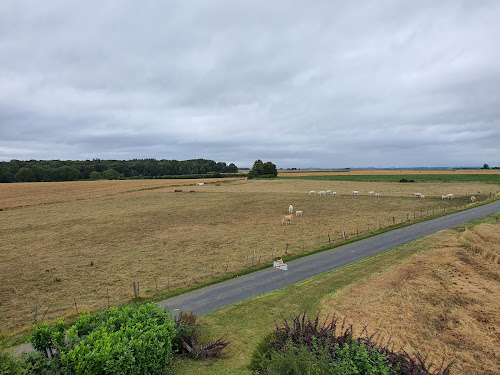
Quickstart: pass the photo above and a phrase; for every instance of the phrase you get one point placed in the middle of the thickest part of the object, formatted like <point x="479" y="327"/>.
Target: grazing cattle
<point x="287" y="219"/>
<point x="298" y="213"/>
<point x="473" y="199"/>
<point x="328" y="192"/>
<point x="177" y="190"/>
<point x="377" y="195"/>
<point x="200" y="183"/>
<point x="416" y="195"/>
<point x="443" y="196"/>
<point x="422" y="196"/>
<point x="290" y="209"/>
<point x="312" y="192"/>
<point x="449" y="196"/>
<point x="322" y="193"/>
<point x="334" y="193"/>
<point x="370" y="193"/>
<point x="355" y="192"/>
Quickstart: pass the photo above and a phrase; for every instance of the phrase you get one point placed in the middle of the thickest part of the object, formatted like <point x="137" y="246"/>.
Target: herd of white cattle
<point x="287" y="219"/>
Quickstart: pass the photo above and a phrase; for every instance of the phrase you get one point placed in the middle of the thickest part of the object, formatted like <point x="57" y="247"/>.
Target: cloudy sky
<point x="302" y="84"/>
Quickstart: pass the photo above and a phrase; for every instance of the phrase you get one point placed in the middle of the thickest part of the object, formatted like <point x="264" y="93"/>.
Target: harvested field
<point x="55" y="254"/>
<point x="33" y="193"/>
<point x="444" y="302"/>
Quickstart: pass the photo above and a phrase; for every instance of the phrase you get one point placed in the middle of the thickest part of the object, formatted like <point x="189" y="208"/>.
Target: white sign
<point x="280" y="265"/>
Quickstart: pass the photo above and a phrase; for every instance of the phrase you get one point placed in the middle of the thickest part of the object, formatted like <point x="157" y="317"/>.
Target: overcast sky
<point x="302" y="84"/>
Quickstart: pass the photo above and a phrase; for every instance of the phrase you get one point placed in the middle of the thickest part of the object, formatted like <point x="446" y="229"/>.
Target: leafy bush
<point x="332" y="350"/>
<point x="186" y="339"/>
<point x="132" y="340"/>
<point x="40" y="365"/>
<point x="9" y="365"/>
<point x="49" y="339"/>
<point x="185" y="328"/>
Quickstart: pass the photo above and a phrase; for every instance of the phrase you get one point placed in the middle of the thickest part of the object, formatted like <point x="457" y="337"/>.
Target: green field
<point x="396" y="178"/>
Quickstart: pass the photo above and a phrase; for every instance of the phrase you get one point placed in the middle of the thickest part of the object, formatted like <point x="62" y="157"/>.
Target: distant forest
<point x="71" y="170"/>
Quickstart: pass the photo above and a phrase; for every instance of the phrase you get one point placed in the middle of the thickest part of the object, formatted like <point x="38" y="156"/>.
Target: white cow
<point x="312" y="192"/>
<point x="377" y="195"/>
<point x="299" y="213"/>
<point x="449" y="196"/>
<point x="473" y="199"/>
<point x="443" y="196"/>
<point x="355" y="192"/>
<point x="290" y="209"/>
<point x="334" y="193"/>
<point x="287" y="219"/>
<point x="328" y="192"/>
<point x="416" y="195"/>
<point x="370" y="193"/>
<point x="322" y="193"/>
<point x="422" y="196"/>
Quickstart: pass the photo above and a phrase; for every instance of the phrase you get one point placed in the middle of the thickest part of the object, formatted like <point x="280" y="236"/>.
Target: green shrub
<point x="132" y="340"/>
<point x="47" y="339"/>
<point x="357" y="358"/>
<point x="295" y="360"/>
<point x="9" y="365"/>
<point x="261" y="356"/>
<point x="185" y="328"/>
<point x="39" y="364"/>
<point x="333" y="350"/>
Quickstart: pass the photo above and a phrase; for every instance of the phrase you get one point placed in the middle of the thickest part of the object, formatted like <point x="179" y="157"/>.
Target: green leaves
<point x="132" y="340"/>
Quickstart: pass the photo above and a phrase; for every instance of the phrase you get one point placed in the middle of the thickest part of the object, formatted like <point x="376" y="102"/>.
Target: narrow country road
<point x="213" y="297"/>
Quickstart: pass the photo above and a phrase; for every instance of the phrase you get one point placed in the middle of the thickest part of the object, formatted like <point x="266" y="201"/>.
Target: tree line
<point x="96" y="169"/>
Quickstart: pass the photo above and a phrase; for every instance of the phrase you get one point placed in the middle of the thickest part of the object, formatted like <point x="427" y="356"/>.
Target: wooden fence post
<point x="107" y="293"/>
<point x="135" y="289"/>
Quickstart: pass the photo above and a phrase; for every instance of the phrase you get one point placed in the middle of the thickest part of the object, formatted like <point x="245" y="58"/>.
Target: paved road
<point x="213" y="297"/>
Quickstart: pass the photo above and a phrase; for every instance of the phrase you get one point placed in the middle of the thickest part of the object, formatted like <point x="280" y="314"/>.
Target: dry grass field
<point x="71" y="242"/>
<point x="33" y="193"/>
<point x="444" y="301"/>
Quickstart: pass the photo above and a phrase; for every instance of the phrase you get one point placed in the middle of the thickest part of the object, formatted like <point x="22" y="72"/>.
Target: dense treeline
<point x="71" y="170"/>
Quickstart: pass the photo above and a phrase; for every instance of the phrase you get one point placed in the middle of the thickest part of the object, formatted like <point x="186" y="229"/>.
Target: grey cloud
<point x="318" y="84"/>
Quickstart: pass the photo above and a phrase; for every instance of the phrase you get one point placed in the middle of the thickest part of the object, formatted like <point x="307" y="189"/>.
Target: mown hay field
<point x="70" y="253"/>
<point x="444" y="301"/>
<point x="33" y="193"/>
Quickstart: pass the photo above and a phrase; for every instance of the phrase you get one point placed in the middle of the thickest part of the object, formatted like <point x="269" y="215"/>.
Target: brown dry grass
<point x="156" y="237"/>
<point x="444" y="302"/>
<point x="364" y="172"/>
<point x="32" y="193"/>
